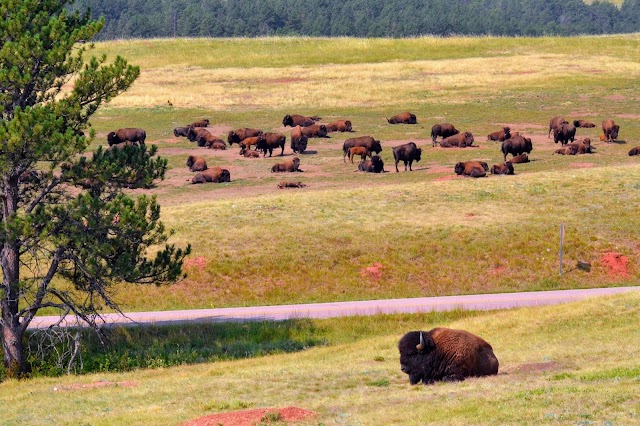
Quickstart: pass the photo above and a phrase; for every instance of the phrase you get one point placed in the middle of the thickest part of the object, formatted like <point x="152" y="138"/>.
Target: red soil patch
<point x="615" y="98"/>
<point x="616" y="264"/>
<point x="198" y="263"/>
<point x="469" y="215"/>
<point x="631" y="116"/>
<point x="251" y="417"/>
<point x="374" y="271"/>
<point x="498" y="270"/>
<point x="582" y="165"/>
<point x="94" y="385"/>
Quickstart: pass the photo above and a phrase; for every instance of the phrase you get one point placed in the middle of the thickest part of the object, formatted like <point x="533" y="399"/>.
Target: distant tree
<point x="63" y="214"/>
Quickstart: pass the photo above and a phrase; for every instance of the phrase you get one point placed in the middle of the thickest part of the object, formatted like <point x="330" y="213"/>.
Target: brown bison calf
<point x="583" y="124"/>
<point x="474" y="169"/>
<point x="368" y="142"/>
<point x="127" y="134"/>
<point x="500" y="135"/>
<point x="252" y="141"/>
<point x="503" y="169"/>
<point x="444" y="130"/>
<point x="634" y="151"/>
<point x="403" y="118"/>
<point x="292" y="165"/>
<point x="374" y="165"/>
<point x="340" y="126"/>
<point x="215" y="175"/>
<point x="445" y="354"/>
<point x="248" y="153"/>
<point x="196" y="164"/>
<point x="358" y="150"/>
<point x="238" y="135"/>
<point x="610" y="129"/>
<point x="460" y="140"/>
<point x="294" y="120"/>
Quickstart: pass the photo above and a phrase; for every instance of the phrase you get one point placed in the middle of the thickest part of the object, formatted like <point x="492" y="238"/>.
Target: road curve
<point x="480" y="302"/>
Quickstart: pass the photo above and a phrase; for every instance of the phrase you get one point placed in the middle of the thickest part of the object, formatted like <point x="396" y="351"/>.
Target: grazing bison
<point x="340" y="126"/>
<point x="516" y="145"/>
<point x="374" y="165"/>
<point x="368" y="142"/>
<point x="181" y="131"/>
<point x="358" y="150"/>
<point x="200" y="123"/>
<point x="583" y="124"/>
<point x="500" y="135"/>
<point x="554" y="124"/>
<point x="519" y="159"/>
<point x="444" y="354"/>
<point x="298" y="140"/>
<point x="215" y="175"/>
<point x="503" y="169"/>
<point x="460" y="140"/>
<point x="407" y="153"/>
<point x="564" y="133"/>
<point x="292" y="165"/>
<point x="269" y="142"/>
<point x="252" y="141"/>
<point x="403" y="118"/>
<point x="248" y="153"/>
<point x="238" y="135"/>
<point x="299" y="120"/>
<point x="315" y="131"/>
<point x="567" y="150"/>
<point x="196" y="164"/>
<point x="127" y="134"/>
<point x="634" y="151"/>
<point x="610" y="130"/>
<point x="444" y="130"/>
<point x="472" y="168"/>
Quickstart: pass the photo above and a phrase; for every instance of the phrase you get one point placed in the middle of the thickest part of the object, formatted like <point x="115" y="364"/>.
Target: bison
<point x="299" y="120"/>
<point x="269" y="142"/>
<point x="583" y="124"/>
<point x="215" y="175"/>
<point x="582" y="147"/>
<point x="407" y="153"/>
<point x="500" y="135"/>
<point x="216" y="144"/>
<point x="555" y="123"/>
<point x="196" y="164"/>
<point x="285" y="184"/>
<point x="314" y="131"/>
<point x="358" y="150"/>
<point x="444" y="130"/>
<point x="564" y="133"/>
<point x="505" y="168"/>
<point x="445" y="354"/>
<point x="200" y="123"/>
<point x="127" y="134"/>
<point x="474" y="169"/>
<point x="292" y="165"/>
<point x="238" y="135"/>
<point x="181" y="131"/>
<point x="374" y="165"/>
<point x="298" y="140"/>
<point x="519" y="159"/>
<point x="368" y="142"/>
<point x="567" y="150"/>
<point x="610" y="129"/>
<point x="340" y="126"/>
<point x="252" y="141"/>
<point x="516" y="145"/>
<point x="634" y="151"/>
<point x="248" y="153"/>
<point x="403" y="118"/>
<point x="461" y="140"/>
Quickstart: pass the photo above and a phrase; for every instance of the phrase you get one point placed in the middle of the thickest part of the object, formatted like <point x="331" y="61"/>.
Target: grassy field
<point x="569" y="364"/>
<point x="432" y="234"/>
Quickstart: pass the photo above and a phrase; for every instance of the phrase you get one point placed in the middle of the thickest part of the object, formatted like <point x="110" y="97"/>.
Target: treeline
<point x="360" y="18"/>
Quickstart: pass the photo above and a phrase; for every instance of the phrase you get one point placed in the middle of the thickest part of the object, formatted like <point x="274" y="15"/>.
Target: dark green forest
<point x="359" y="18"/>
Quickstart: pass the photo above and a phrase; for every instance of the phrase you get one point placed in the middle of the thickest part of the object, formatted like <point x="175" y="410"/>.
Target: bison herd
<point x="252" y="141"/>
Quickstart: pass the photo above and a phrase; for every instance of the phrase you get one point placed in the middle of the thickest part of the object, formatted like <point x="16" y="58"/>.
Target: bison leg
<point x="410" y="164"/>
<point x="398" y="171"/>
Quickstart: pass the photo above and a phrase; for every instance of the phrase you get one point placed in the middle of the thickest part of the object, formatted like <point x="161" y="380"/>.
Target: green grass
<point x="566" y="364"/>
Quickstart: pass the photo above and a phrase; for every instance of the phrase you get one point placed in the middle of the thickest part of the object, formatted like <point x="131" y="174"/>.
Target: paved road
<point x="340" y="309"/>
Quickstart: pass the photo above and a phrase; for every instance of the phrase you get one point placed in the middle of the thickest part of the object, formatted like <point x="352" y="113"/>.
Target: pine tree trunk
<point x="12" y="347"/>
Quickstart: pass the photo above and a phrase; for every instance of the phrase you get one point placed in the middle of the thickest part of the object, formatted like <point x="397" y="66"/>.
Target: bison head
<point x="459" y="168"/>
<point x="225" y="176"/>
<point x="418" y="154"/>
<point x="528" y="145"/>
<point x="191" y="134"/>
<point x="376" y="147"/>
<point x="468" y="139"/>
<point x="322" y="131"/>
<point x="287" y="121"/>
<point x="112" y="138"/>
<point x="614" y="131"/>
<point x="414" y="347"/>
<point x="484" y="165"/>
<point x="191" y="160"/>
<point x="509" y="166"/>
<point x="232" y="138"/>
<point x="347" y="125"/>
<point x="377" y="164"/>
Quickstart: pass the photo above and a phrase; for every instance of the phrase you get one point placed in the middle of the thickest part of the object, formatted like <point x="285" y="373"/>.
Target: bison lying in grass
<point x="634" y="151"/>
<point x="444" y="354"/>
<point x="196" y="164"/>
<point x="291" y="166"/>
<point x="500" y="135"/>
<point x="214" y="174"/>
<point x="374" y="165"/>
<point x="403" y="118"/>
<point x="474" y="169"/>
<point x="505" y="168"/>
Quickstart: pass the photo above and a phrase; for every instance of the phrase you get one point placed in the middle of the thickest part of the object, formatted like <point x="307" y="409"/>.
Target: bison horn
<point x="421" y="345"/>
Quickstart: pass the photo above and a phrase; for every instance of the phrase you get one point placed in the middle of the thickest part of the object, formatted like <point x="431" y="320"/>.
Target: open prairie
<point x="426" y="232"/>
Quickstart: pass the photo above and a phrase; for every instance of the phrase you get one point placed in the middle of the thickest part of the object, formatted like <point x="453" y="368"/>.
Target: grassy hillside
<point x="569" y="364"/>
<point x="432" y="233"/>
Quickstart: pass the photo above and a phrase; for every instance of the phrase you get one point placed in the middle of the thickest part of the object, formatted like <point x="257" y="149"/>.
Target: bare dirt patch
<point x="198" y="263"/>
<point x="615" y="98"/>
<point x="617" y="265"/>
<point x="374" y="271"/>
<point x="630" y="116"/>
<point x="94" y="385"/>
<point x="252" y="417"/>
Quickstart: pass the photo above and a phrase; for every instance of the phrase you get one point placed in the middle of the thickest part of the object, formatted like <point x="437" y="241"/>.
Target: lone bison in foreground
<point x="403" y="118"/>
<point x="407" y="153"/>
<point x="444" y="354"/>
<point x="127" y="134"/>
<point x="474" y="169"/>
<point x="373" y="165"/>
<point x="610" y="129"/>
<point x="196" y="164"/>
<point x="294" y="120"/>
<point x="500" y="135"/>
<point x="214" y="174"/>
<point x="444" y="130"/>
<point x="634" y="151"/>
<point x="291" y="166"/>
